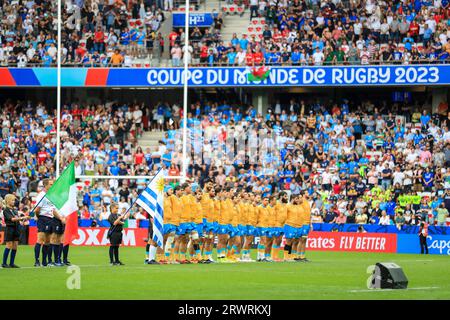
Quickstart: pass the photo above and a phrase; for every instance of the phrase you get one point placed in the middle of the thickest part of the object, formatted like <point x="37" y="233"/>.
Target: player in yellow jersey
<point x="171" y="221"/>
<point x="263" y="228"/>
<point x="300" y="215"/>
<point x="243" y="216"/>
<point x="197" y="219"/>
<point x="209" y="221"/>
<point x="306" y="227"/>
<point x="187" y="227"/>
<point x="271" y="223"/>
<point x="251" y="231"/>
<point x="222" y="228"/>
<point x="295" y="243"/>
<point x="217" y="215"/>
<point x="291" y="227"/>
<point x="235" y="239"/>
<point x="177" y="208"/>
<point x="280" y="214"/>
<point x="229" y="207"/>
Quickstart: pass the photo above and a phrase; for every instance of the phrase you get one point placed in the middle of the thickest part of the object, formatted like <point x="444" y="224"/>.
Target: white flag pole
<point x="58" y="93"/>
<point x="185" y="91"/>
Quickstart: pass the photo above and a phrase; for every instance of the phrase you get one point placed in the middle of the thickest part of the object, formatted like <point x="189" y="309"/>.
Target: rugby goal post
<point x="183" y="175"/>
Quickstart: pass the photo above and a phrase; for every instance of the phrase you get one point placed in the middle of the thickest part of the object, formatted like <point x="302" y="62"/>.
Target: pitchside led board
<point x="275" y="76"/>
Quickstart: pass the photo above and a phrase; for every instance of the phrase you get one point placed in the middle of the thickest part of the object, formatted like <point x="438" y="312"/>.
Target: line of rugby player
<point x="192" y="221"/>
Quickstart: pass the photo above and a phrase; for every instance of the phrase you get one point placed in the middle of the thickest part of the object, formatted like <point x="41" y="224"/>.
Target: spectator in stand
<point x="176" y="54"/>
<point x="27" y="24"/>
<point x="423" y="235"/>
<point x="117" y="59"/>
<point x="131" y="24"/>
<point x="254" y="8"/>
<point x="99" y="40"/>
<point x="340" y="32"/>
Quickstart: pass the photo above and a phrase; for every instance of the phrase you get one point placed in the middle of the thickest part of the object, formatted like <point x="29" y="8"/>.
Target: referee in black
<point x="115" y="234"/>
<point x="12" y="231"/>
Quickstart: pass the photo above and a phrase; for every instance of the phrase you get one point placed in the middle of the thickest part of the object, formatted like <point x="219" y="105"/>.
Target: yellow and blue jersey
<point x="207" y="208"/>
<point x="175" y="210"/>
<point x="243" y="213"/>
<point x="263" y="216"/>
<point x="188" y="208"/>
<point x="271" y="217"/>
<point x="293" y="216"/>
<point x="252" y="215"/>
<point x="281" y="214"/>
<point x="198" y="212"/>
<point x="234" y="216"/>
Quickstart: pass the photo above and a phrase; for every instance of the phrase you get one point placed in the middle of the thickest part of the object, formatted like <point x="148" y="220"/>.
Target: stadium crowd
<point x="296" y="32"/>
<point x="358" y="162"/>
<point x="28" y="33"/>
<point x="113" y="33"/>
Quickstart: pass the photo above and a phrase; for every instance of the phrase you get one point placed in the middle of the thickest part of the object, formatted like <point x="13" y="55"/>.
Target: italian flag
<point x="63" y="194"/>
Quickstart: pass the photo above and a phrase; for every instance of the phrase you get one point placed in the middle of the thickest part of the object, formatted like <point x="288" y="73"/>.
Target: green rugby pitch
<point x="330" y="275"/>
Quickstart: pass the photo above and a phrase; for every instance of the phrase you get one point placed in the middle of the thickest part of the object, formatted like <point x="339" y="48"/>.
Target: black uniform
<point x="12" y="232"/>
<point x="45" y="224"/>
<point x="57" y="226"/>
<point x="115" y="230"/>
<point x="423" y="239"/>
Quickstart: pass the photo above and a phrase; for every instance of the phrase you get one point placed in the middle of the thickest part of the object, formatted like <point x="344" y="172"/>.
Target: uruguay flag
<point x="152" y="200"/>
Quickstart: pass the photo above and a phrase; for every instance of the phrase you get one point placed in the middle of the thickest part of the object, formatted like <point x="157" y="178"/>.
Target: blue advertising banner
<point x="205" y="19"/>
<point x="399" y="75"/>
<point x="283" y="76"/>
<point x="326" y="227"/>
<point x="437" y="244"/>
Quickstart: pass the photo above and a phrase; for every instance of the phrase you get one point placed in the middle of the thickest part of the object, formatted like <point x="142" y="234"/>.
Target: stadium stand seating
<point x="355" y="164"/>
<point x="123" y="33"/>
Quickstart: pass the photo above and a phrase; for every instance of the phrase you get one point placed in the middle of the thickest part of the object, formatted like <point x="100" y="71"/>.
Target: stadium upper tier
<point x="239" y="33"/>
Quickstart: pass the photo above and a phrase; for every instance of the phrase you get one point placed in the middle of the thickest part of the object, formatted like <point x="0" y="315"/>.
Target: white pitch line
<point x="384" y="290"/>
<point x="423" y="260"/>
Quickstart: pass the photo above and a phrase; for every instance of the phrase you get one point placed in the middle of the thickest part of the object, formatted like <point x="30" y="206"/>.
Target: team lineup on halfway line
<point x="192" y="221"/>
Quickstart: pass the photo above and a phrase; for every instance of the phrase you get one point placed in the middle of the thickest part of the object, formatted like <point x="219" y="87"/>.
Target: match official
<point x="45" y="212"/>
<point x="12" y="232"/>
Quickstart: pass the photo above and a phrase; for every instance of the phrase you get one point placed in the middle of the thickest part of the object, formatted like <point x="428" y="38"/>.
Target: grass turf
<point x="330" y="275"/>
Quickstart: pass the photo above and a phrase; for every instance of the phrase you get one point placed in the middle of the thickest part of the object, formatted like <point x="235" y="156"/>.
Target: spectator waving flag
<point x="152" y="200"/>
<point x="63" y="194"/>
